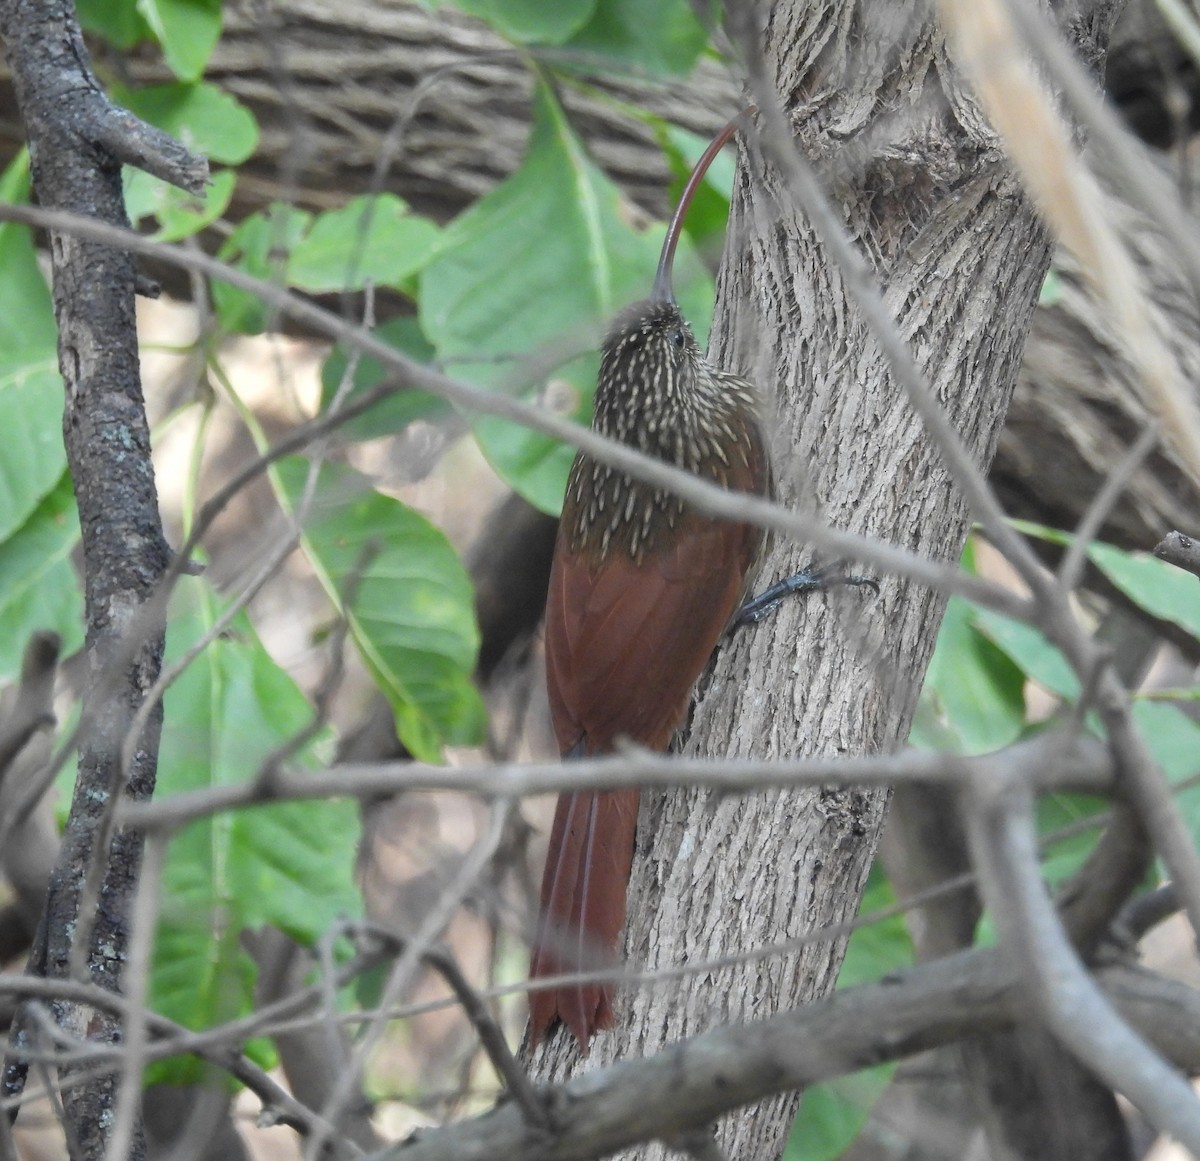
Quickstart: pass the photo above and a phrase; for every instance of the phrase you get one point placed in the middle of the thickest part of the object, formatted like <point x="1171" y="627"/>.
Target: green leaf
<point x="31" y="392"/>
<point x="975" y="686"/>
<point x="260" y="246"/>
<point x="542" y="262"/>
<point x="1051" y="291"/>
<point x="412" y="614"/>
<point x="118" y="21"/>
<point x="38" y="585"/>
<point x="1064" y="857"/>
<point x="878" y="948"/>
<point x="31" y="404"/>
<point x="371" y="239"/>
<point x="179" y="213"/>
<point x="287" y="864"/>
<point x="531" y="21"/>
<point x="1172" y="737"/>
<point x="188" y="31"/>
<point x="661" y="36"/>
<point x="536" y="464"/>
<point x="1174" y="740"/>
<point x="832" y="1114"/>
<point x="1156" y="586"/>
<point x="398" y="410"/>
<point x="26" y="311"/>
<point x="204" y="117"/>
<point x="1031" y="652"/>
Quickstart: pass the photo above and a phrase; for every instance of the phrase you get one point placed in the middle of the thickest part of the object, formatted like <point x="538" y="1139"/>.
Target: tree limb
<point x="78" y="139"/>
<point x="693" y="1083"/>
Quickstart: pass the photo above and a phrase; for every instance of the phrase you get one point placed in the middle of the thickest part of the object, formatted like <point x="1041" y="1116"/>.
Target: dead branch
<point x="699" y="1080"/>
<point x="1083" y="765"/>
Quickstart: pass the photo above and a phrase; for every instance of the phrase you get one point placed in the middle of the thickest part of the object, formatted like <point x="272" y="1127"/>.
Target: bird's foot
<point x="810" y="580"/>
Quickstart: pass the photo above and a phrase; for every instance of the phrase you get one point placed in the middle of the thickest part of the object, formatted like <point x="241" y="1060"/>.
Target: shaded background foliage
<point x="509" y="292"/>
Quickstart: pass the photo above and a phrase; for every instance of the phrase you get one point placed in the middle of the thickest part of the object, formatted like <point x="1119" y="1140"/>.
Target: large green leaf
<point x="38" y="585"/>
<point x="534" y="464"/>
<point x="543" y="262"/>
<point x="531" y="21"/>
<point x="179" y="214"/>
<point x="31" y="394"/>
<point x="880" y="947"/>
<point x="1174" y="740"/>
<point x="661" y="36"/>
<point x="833" y="1113"/>
<point x="261" y="246"/>
<point x="1159" y="588"/>
<point x="188" y="31"/>
<point x="289" y="864"/>
<point x="1062" y="857"/>
<point x="1031" y="652"/>
<point x="398" y="410"/>
<point x="26" y="312"/>
<point x="412" y="614"/>
<point x="31" y="404"/>
<point x="370" y="239"/>
<point x="973" y="686"/>
<point x="118" y="21"/>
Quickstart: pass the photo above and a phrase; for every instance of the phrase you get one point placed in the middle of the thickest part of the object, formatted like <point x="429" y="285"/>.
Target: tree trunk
<point x="931" y="202"/>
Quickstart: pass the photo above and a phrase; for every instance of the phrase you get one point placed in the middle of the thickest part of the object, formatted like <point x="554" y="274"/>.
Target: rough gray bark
<point x="928" y="197"/>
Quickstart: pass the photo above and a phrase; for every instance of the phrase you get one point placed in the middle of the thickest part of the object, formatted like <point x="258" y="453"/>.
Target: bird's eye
<point x="677" y="338"/>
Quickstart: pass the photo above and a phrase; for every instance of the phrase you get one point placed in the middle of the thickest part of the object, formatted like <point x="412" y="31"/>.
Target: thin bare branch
<point x="1083" y="765"/>
<point x="491" y="1037"/>
<point x="1147" y="911"/>
<point x="1181" y="550"/>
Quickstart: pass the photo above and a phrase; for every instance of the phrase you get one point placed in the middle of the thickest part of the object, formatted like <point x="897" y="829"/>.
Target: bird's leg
<point x="809" y="580"/>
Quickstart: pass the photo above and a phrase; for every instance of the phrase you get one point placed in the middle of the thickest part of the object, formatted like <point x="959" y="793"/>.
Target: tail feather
<point x="582" y="908"/>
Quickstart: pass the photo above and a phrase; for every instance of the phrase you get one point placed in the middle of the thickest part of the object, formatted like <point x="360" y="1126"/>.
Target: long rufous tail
<point x="582" y="908"/>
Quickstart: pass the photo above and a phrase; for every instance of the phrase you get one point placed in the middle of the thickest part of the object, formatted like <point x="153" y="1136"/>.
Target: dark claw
<point x="810" y="580"/>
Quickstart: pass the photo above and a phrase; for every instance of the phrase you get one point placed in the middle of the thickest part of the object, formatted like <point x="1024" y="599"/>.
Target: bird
<point x="642" y="587"/>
